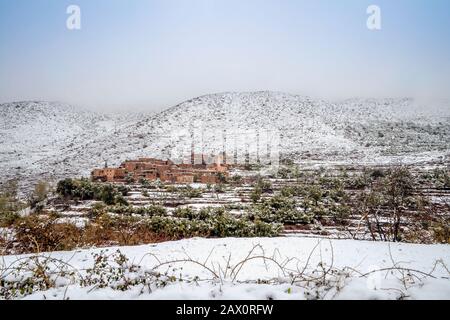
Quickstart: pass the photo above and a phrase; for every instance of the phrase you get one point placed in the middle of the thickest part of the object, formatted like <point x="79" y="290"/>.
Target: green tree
<point x="255" y="196"/>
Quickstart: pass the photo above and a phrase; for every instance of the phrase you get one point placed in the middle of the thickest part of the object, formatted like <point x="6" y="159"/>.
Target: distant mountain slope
<point x="52" y="140"/>
<point x="34" y="134"/>
<point x="353" y="130"/>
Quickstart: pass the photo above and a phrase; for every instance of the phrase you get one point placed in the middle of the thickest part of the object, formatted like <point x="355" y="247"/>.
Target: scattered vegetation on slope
<point x="380" y="204"/>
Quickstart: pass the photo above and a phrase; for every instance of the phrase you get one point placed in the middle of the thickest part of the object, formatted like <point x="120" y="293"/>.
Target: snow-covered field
<point x="263" y="268"/>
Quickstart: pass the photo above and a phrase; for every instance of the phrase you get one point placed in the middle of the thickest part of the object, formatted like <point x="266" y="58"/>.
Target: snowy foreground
<point x="266" y="268"/>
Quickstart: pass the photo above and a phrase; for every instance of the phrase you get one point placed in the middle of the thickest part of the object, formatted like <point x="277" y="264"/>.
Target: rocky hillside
<point x="53" y="140"/>
<point x="34" y="135"/>
<point x="309" y="130"/>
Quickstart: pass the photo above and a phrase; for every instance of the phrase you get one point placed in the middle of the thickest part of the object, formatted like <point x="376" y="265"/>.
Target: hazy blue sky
<point x="155" y="53"/>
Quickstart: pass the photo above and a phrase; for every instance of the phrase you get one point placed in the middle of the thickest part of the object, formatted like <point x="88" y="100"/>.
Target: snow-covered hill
<point x="33" y="135"/>
<point x="352" y="131"/>
<point x="46" y="139"/>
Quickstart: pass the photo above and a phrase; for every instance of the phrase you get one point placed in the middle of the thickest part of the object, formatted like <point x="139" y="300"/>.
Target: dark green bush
<point x="255" y="196"/>
<point x="377" y="173"/>
<point x="148" y="211"/>
<point x="8" y="218"/>
<point x="186" y="192"/>
<point x="84" y="189"/>
<point x="219" y="188"/>
<point x="10" y="205"/>
<point x="279" y="209"/>
<point x="236" y="179"/>
<point x="264" y="185"/>
<point x="65" y="187"/>
<point x="294" y="191"/>
<point x="190" y="214"/>
<point x="220" y="223"/>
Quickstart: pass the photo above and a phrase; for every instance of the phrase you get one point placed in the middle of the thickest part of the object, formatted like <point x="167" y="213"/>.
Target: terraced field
<point x="236" y="198"/>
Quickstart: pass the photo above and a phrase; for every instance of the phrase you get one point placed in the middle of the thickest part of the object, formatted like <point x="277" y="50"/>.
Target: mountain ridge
<point x="70" y="141"/>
